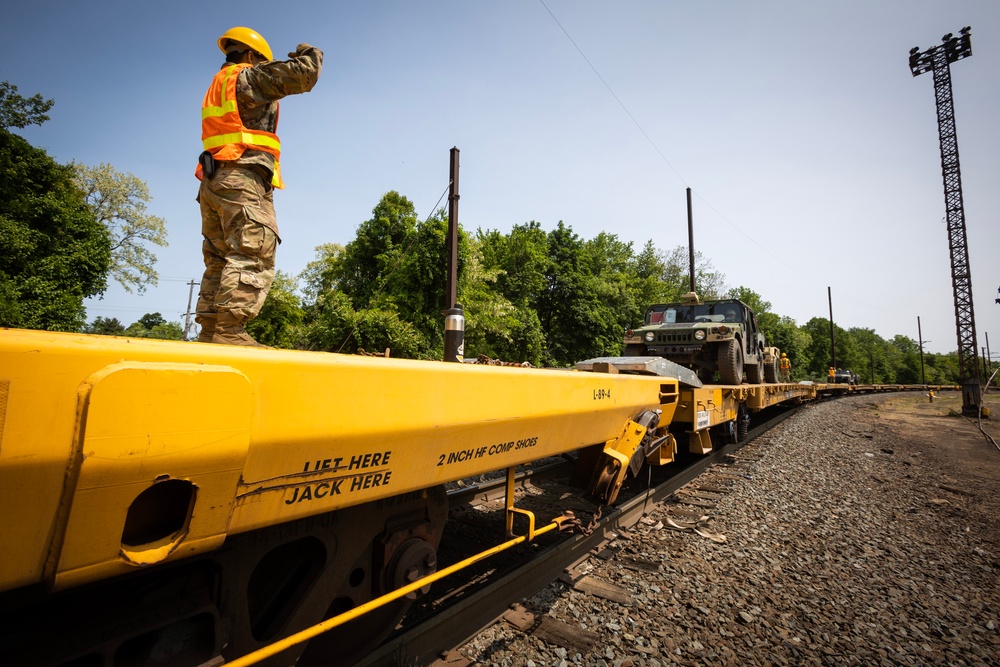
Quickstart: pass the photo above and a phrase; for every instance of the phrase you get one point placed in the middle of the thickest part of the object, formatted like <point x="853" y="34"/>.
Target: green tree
<point x="520" y="258"/>
<point x="396" y="265"/>
<point x="151" y="320"/>
<point x="319" y="276"/>
<point x="335" y="326"/>
<point x="167" y="331"/>
<point x="873" y="368"/>
<point x="280" y="321"/>
<point x="816" y="358"/>
<point x="53" y="253"/>
<point x="119" y="201"/>
<point x="942" y="368"/>
<point x="153" y="325"/>
<point x="369" y="262"/>
<point x="20" y="112"/>
<point x="418" y="286"/>
<point x="648" y="268"/>
<point x="579" y="310"/>
<point x="850" y="355"/>
<point x="516" y="264"/>
<point x="709" y="283"/>
<point x="493" y="325"/>
<point x="106" y="326"/>
<point x="907" y="360"/>
<point x="779" y="331"/>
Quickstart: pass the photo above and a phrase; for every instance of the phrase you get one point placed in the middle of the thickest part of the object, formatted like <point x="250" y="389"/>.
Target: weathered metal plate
<point x="645" y="366"/>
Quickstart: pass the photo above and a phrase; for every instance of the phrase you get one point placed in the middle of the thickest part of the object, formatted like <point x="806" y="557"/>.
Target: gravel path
<point x="845" y="543"/>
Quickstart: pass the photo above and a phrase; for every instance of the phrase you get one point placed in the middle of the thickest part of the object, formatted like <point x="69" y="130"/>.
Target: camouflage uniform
<point x="237" y="207"/>
<point x="240" y="230"/>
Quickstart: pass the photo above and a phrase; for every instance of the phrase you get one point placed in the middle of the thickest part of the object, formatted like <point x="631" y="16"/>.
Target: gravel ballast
<point x="837" y="539"/>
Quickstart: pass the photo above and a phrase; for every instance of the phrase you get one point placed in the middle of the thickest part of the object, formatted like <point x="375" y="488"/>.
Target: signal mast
<point x="938" y="59"/>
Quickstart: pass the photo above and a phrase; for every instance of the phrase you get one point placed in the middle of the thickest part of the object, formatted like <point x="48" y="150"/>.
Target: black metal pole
<point x="833" y="346"/>
<point x="938" y="60"/>
<point x="989" y="357"/>
<point x="451" y="295"/>
<point x="690" y="240"/>
<point x="187" y="314"/>
<point x="454" y="321"/>
<point x="920" y="337"/>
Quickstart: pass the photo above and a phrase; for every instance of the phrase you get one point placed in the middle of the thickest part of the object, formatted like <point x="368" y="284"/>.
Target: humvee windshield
<point x="721" y="311"/>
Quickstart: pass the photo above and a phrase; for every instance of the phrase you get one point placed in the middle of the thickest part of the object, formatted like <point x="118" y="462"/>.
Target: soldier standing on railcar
<point x="238" y="170"/>
<point x="785" y="368"/>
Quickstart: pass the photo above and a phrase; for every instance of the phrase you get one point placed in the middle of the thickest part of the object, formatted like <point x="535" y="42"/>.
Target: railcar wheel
<point x="771" y="371"/>
<point x="730" y="363"/>
<point x="742" y="424"/>
<point x="405" y="551"/>
<point x="258" y="587"/>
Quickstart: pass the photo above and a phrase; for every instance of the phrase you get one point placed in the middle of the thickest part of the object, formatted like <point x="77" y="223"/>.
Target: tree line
<point x="65" y="229"/>
<point x="549" y="298"/>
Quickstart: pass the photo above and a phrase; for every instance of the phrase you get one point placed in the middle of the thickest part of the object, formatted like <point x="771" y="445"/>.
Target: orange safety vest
<point x="784" y="363"/>
<point x="222" y="129"/>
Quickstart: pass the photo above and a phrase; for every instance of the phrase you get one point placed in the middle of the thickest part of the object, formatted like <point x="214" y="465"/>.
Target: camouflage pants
<point x="240" y="230"/>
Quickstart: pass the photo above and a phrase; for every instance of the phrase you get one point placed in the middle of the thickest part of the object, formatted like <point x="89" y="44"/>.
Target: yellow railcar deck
<point x="118" y="453"/>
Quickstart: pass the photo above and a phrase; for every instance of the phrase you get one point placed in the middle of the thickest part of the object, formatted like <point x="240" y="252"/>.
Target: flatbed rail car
<point x="709" y="415"/>
<point x="170" y="503"/>
<point x="718" y="414"/>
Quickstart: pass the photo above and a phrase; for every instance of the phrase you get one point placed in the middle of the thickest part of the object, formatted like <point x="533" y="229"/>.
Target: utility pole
<point x="454" y="321"/>
<point x="938" y="59"/>
<point x="989" y="359"/>
<point x="920" y="337"/>
<point x="833" y="346"/>
<point x="690" y="240"/>
<point x="187" y="313"/>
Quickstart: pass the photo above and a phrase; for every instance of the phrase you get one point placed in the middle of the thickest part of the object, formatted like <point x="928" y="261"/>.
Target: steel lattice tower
<point x="938" y="59"/>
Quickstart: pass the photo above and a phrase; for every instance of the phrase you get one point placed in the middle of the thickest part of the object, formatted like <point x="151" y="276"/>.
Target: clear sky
<point x="811" y="151"/>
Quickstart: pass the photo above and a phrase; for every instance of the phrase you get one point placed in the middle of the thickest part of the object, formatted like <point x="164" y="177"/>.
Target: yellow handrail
<point x="340" y="619"/>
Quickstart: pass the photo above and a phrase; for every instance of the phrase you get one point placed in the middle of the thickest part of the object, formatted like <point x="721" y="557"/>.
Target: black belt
<point x="210" y="165"/>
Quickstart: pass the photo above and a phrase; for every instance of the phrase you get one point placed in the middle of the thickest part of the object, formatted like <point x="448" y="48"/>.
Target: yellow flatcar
<point x="168" y="503"/>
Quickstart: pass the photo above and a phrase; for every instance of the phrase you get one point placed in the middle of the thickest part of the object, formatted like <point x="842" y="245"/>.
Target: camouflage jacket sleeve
<point x="268" y="82"/>
<point x="259" y="88"/>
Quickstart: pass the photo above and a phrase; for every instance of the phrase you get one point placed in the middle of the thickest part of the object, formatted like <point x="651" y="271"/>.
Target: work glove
<point x="300" y="50"/>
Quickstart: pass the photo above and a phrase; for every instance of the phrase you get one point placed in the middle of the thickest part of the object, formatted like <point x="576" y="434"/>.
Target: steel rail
<point x="453" y="625"/>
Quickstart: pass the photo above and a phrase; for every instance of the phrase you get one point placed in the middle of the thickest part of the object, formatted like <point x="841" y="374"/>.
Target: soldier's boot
<point x="207" y="329"/>
<point x="229" y="331"/>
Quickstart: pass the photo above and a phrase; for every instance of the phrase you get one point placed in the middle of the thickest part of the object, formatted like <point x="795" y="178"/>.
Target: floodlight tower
<point x="938" y="59"/>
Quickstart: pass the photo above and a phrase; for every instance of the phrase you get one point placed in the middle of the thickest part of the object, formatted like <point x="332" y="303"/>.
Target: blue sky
<point x="811" y="151"/>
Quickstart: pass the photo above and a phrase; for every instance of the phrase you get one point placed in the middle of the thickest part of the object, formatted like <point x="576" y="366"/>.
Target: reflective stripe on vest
<point x="222" y="129"/>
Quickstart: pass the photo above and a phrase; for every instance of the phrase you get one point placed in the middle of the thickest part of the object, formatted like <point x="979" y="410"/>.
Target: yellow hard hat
<point x="250" y="38"/>
<point x="783" y="354"/>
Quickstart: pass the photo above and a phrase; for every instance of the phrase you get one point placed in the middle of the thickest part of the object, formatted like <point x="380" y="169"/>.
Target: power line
<point x="620" y="103"/>
<point x="660" y="153"/>
<point x="798" y="271"/>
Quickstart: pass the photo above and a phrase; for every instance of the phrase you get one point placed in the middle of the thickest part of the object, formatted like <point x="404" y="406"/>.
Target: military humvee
<point x="708" y="337"/>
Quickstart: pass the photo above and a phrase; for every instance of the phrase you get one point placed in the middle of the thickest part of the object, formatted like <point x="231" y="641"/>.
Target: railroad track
<point x="474" y="606"/>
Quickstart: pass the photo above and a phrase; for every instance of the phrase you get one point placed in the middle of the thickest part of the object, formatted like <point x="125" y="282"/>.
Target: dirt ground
<point x="940" y="427"/>
<point x="968" y="463"/>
